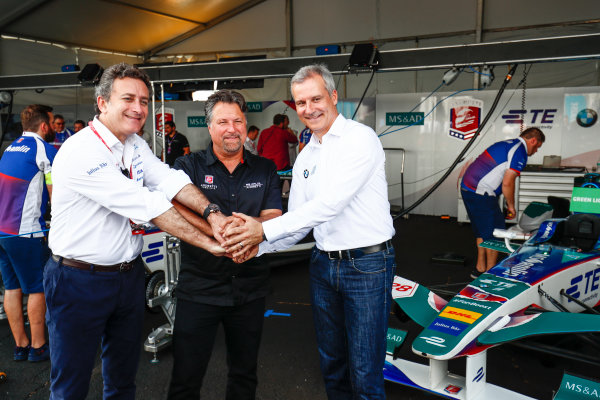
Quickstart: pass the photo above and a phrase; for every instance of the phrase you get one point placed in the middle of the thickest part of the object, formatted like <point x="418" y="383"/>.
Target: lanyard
<point x="135" y="229"/>
<point x="128" y="174"/>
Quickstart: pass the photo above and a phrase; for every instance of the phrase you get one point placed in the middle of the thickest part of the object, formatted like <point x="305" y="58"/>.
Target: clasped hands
<point x="239" y="234"/>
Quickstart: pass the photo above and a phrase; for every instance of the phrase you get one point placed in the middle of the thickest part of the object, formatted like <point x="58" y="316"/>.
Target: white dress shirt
<point x="92" y="201"/>
<point x="339" y="189"/>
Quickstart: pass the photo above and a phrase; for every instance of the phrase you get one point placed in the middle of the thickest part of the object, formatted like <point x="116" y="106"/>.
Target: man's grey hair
<point x="223" y="96"/>
<point x="311" y="70"/>
<point x="118" y="71"/>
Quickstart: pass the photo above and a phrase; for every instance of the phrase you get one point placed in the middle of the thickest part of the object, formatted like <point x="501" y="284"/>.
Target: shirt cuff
<point x="174" y="182"/>
<point x="273" y="229"/>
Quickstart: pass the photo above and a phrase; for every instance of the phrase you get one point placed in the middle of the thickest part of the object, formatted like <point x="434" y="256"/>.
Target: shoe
<point x="475" y="273"/>
<point x="39" y="354"/>
<point x="21" y="353"/>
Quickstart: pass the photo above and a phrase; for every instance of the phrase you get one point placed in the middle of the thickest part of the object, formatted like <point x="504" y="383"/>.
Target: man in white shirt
<point x="339" y="189"/>
<point x="106" y="180"/>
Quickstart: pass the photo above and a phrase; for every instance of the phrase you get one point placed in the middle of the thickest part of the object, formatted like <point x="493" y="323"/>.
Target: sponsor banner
<point x="196" y="121"/>
<point x="404" y="118"/>
<point x="585" y="200"/>
<point x="460" y="314"/>
<point x="465" y="116"/>
<point x="169" y="116"/>
<point x="254" y="106"/>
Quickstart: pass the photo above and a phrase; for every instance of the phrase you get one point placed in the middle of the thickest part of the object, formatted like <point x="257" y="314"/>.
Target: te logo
<point x="540" y="116"/>
<point x="584" y="284"/>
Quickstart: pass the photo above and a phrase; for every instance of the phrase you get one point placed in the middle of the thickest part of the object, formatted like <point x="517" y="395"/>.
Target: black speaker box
<point x="90" y="75"/>
<point x="364" y="55"/>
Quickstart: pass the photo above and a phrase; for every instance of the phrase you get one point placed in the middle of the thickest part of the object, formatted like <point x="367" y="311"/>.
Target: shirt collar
<point x="109" y="138"/>
<point x="33" y="134"/>
<point x="211" y="158"/>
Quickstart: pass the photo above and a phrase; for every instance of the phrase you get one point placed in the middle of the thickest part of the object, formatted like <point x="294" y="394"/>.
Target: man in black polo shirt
<point x="176" y="142"/>
<point x="213" y="290"/>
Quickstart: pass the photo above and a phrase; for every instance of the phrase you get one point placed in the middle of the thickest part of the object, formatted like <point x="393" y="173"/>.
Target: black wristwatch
<point x="211" y="208"/>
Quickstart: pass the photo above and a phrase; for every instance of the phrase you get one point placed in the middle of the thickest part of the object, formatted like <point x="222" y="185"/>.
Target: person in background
<point x="304" y="138"/>
<point x="250" y="143"/>
<point x="177" y="144"/>
<point x="492" y="173"/>
<point x="25" y="187"/>
<point x="339" y="190"/>
<point x="78" y="125"/>
<point x="61" y="133"/>
<point x="273" y="143"/>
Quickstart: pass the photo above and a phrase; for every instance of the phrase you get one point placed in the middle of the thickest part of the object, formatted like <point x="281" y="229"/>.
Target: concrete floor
<point x="288" y="363"/>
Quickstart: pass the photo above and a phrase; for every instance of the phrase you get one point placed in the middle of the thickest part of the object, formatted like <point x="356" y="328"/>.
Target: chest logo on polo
<point x="208" y="183"/>
<point x="305" y="173"/>
<point x="253" y="185"/>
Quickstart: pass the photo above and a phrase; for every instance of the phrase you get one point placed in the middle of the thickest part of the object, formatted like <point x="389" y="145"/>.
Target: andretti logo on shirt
<point x="465" y="116"/>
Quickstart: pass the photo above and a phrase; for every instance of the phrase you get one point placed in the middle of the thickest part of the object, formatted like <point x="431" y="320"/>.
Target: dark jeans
<point x="193" y="339"/>
<point x="85" y="309"/>
<point x="351" y="302"/>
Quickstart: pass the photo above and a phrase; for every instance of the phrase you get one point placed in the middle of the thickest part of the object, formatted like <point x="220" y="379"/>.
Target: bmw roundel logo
<point x="586" y="118"/>
<point x="305" y="173"/>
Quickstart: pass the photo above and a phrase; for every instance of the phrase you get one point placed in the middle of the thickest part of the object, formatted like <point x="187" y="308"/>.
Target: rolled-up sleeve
<point x="159" y="177"/>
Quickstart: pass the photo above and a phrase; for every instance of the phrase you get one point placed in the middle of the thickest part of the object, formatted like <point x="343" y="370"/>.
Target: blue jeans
<point x="351" y="302"/>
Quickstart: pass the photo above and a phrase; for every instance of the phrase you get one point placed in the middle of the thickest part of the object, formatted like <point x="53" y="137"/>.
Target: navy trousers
<point x="86" y="309"/>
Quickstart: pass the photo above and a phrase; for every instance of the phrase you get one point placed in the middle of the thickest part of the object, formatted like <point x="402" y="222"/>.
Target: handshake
<point x="237" y="236"/>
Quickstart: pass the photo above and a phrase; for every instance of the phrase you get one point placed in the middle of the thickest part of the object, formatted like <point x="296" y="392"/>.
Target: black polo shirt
<point x="175" y="146"/>
<point x="252" y="187"/>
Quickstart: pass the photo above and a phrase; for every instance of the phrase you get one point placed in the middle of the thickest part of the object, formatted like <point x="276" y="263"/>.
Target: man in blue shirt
<point x="25" y="187"/>
<point x="61" y="133"/>
<point x="492" y="173"/>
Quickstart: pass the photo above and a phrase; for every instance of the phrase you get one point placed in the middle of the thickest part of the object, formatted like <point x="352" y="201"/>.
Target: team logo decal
<point x="452" y="389"/>
<point x="477" y="294"/>
<point x="208" y="179"/>
<point x="586" y="118"/>
<point x="460" y="314"/>
<point x="465" y="116"/>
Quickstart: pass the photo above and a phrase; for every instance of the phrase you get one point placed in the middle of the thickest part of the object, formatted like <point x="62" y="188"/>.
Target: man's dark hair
<point x="33" y="115"/>
<point x="79" y="121"/>
<point x="253" y="128"/>
<point x="533" y="133"/>
<point x="171" y="124"/>
<point x="278" y="119"/>
<point x="223" y="96"/>
<point x="118" y="71"/>
<point x="58" y="116"/>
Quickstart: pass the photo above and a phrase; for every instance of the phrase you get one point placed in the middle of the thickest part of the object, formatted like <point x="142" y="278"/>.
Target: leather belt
<point x="121" y="267"/>
<point x="358" y="252"/>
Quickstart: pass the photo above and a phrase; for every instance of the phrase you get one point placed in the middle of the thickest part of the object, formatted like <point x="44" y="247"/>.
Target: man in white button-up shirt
<point x="106" y="181"/>
<point x="338" y="189"/>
